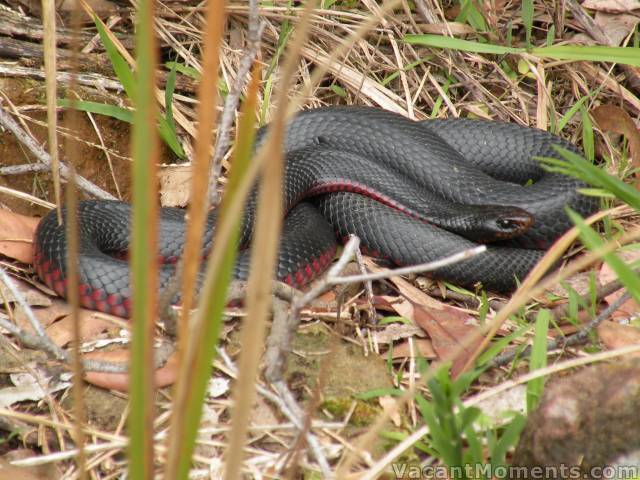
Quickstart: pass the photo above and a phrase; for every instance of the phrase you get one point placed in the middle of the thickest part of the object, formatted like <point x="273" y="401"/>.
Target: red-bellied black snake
<point x="412" y="191"/>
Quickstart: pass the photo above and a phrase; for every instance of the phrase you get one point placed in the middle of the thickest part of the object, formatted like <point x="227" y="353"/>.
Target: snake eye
<point x="506" y="224"/>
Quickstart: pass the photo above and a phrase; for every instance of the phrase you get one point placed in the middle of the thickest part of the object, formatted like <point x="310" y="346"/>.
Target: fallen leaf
<point x="421" y="345"/>
<point x="397" y="331"/>
<point x="580" y="282"/>
<point x="613" y="335"/>
<point x="120" y="381"/>
<point x="616" y="26"/>
<point x="46" y="316"/>
<point x="390" y="407"/>
<point x="28" y="388"/>
<point x="614" y="119"/>
<point x="174" y="185"/>
<point x="612" y="6"/>
<point x="33" y="297"/>
<point x="34" y="472"/>
<point x="61" y="332"/>
<point x="446" y="325"/>
<point x="16" y="237"/>
<point x="628" y="309"/>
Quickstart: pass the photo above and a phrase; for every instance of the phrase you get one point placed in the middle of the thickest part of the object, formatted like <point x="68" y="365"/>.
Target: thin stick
<point x="289" y="408"/>
<point x="233" y="97"/>
<point x="580" y="336"/>
<point x="10" y="124"/>
<point x="421" y="268"/>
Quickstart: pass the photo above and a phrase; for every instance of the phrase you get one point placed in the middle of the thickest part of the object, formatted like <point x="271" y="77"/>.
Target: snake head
<point x="491" y="223"/>
<point x="508" y="222"/>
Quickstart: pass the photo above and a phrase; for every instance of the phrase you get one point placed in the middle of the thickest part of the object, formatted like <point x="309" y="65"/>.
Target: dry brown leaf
<point x="16" y="236"/>
<point x="262" y="413"/>
<point x="612" y="6"/>
<point x="614" y="119"/>
<point x="446" y="325"/>
<point x="32" y="296"/>
<point x="628" y="309"/>
<point x="580" y="282"/>
<point x="389" y="405"/>
<point x="120" y="381"/>
<point x="46" y="316"/>
<point x="422" y="345"/>
<point x="61" y="332"/>
<point x="616" y="26"/>
<point x="174" y="185"/>
<point x="397" y="331"/>
<point x="613" y="335"/>
<point x="34" y="472"/>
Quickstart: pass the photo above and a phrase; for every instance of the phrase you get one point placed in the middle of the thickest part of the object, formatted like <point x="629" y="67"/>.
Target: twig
<point x="37" y="342"/>
<point x="24" y="168"/>
<point x="35" y="324"/>
<point x="10" y="124"/>
<point x="290" y="409"/>
<point x="579" y="337"/>
<point x="368" y="286"/>
<point x="421" y="268"/>
<point x="41" y="341"/>
<point x="222" y="143"/>
<point x="282" y="388"/>
<point x="601" y="292"/>
<point x="255" y="30"/>
<point x="557" y="312"/>
<point x="283" y="326"/>
<point x="87" y="79"/>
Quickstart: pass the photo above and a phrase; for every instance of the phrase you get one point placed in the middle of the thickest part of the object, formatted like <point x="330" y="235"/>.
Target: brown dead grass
<point x="383" y="71"/>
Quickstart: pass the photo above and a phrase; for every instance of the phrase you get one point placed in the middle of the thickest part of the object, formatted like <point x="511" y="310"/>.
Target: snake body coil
<point x="412" y="191"/>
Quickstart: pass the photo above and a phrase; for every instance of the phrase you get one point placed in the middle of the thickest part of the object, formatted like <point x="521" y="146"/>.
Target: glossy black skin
<point x="450" y="182"/>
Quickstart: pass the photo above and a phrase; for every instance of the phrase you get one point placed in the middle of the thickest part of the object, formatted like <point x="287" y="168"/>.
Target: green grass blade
<point x="507" y="440"/>
<point x="591" y="53"/>
<point x="500" y="344"/>
<point x="470" y="14"/>
<point x="574" y="165"/>
<point x="144" y="279"/>
<point x="437" y="105"/>
<point x="213" y="297"/>
<point x="184" y="69"/>
<point x="527" y="19"/>
<point x="468" y="416"/>
<point x="538" y="358"/>
<point x="168" y="96"/>
<point x="624" y="55"/>
<point x="406" y="68"/>
<point x="440" y="41"/>
<point x="588" y="140"/>
<point x="551" y="34"/>
<point x="120" y="65"/>
<point x="592" y="241"/>
<point x="169" y="136"/>
<point x="575" y="108"/>
<point x="113" y="111"/>
<point x="475" y="451"/>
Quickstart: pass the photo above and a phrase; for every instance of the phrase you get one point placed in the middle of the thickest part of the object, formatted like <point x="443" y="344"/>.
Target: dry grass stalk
<point x="379" y="69"/>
